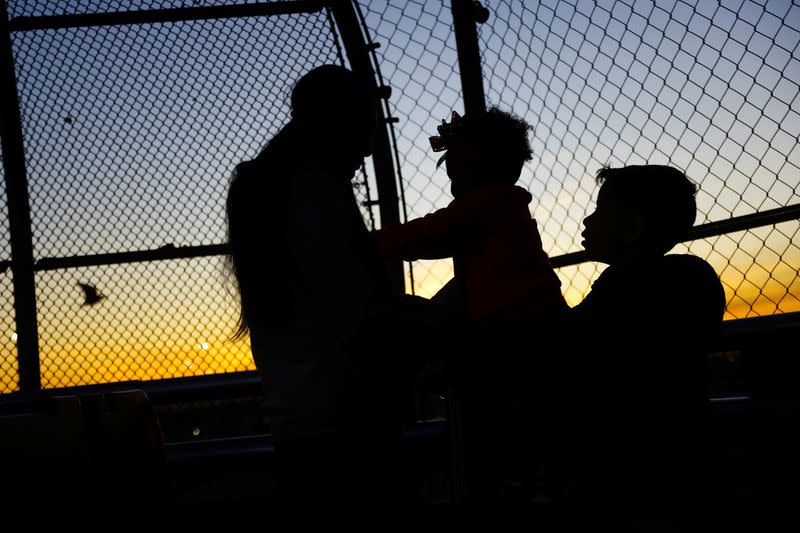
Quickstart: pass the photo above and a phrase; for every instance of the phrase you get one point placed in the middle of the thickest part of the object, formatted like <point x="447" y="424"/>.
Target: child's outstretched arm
<point x="440" y="234"/>
<point x="430" y="237"/>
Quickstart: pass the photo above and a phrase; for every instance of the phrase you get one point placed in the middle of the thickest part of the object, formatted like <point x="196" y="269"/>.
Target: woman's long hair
<point x="256" y="216"/>
<point x="257" y="198"/>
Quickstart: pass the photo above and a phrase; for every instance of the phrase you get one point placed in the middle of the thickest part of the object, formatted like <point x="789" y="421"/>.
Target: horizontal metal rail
<point x="704" y="231"/>
<point x="262" y="444"/>
<point x="169" y="251"/>
<point x="166" y="252"/>
<point x="207" y="449"/>
<point x="152" y="16"/>
<point x="761" y="332"/>
<point x="745" y="222"/>
<point x="230" y="385"/>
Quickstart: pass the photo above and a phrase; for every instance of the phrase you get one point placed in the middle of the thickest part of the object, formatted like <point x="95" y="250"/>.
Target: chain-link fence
<point x="711" y="88"/>
<point x="9" y="367"/>
<point x="419" y="61"/>
<point x="131" y="132"/>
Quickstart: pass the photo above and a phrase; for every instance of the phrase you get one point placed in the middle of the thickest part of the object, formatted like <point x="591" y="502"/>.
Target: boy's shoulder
<point x="694" y="277"/>
<point x="673" y="275"/>
<point x="687" y="265"/>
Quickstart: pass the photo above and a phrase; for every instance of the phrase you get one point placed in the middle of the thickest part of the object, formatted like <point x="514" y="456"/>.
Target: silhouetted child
<point x="503" y="280"/>
<point x="500" y="266"/>
<point x="643" y="335"/>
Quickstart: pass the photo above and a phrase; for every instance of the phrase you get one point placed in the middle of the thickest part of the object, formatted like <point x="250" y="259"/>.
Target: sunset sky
<point x="131" y="133"/>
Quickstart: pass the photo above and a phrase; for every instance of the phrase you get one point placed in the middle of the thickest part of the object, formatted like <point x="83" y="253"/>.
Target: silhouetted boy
<point x="645" y="331"/>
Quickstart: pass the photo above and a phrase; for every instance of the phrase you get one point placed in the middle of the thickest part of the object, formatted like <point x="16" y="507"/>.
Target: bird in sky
<point x="91" y="295"/>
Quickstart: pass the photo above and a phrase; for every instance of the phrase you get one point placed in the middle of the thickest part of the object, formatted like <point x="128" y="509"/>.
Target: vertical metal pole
<point x="465" y="15"/>
<point x="358" y="55"/>
<point x="469" y="54"/>
<point x="19" y="215"/>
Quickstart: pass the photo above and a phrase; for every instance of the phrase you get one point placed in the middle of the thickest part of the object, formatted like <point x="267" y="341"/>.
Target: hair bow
<point x="447" y="131"/>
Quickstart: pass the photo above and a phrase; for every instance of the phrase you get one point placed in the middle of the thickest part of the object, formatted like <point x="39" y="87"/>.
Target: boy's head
<point x="484" y="149"/>
<point x="642" y="210"/>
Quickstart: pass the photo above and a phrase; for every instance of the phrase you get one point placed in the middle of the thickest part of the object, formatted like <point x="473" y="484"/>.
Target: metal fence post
<point x="385" y="176"/>
<point x="19" y="216"/>
<point x="465" y="14"/>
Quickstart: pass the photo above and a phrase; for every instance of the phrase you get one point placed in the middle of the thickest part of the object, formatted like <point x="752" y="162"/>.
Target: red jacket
<point x="496" y="248"/>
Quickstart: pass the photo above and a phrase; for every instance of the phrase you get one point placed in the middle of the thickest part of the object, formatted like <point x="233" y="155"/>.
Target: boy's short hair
<point x="665" y="195"/>
<point x="501" y="131"/>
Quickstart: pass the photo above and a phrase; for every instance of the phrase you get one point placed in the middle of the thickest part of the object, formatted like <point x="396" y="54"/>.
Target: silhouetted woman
<point x="310" y="278"/>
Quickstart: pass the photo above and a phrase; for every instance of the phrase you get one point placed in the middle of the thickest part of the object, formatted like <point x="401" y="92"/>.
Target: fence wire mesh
<point x="9" y="367"/>
<point x="419" y="61"/>
<point x="158" y="320"/>
<point x="711" y="88"/>
<point x="131" y="133"/>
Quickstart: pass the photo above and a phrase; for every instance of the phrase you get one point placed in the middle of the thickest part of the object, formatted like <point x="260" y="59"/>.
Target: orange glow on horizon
<point x="752" y="289"/>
